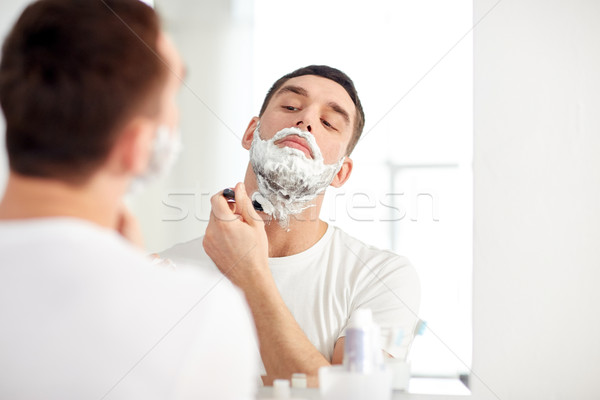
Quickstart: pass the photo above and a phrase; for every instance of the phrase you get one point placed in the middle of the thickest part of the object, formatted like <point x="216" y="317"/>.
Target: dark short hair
<point x="72" y="73"/>
<point x="335" y="75"/>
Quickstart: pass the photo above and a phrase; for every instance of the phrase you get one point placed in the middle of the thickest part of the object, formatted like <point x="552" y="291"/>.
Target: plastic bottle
<point x="362" y="352"/>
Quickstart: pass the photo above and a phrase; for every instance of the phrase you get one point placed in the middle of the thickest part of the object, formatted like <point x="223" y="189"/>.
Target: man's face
<point x="315" y="104"/>
<point x="169" y="112"/>
<point x="162" y="141"/>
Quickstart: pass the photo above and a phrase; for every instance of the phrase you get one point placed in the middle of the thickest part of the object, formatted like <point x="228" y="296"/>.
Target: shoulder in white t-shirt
<point x="84" y="314"/>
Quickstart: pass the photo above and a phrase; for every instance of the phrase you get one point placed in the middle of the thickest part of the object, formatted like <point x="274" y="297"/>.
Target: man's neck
<point x="28" y="198"/>
<point x="304" y="229"/>
<point x="298" y="237"/>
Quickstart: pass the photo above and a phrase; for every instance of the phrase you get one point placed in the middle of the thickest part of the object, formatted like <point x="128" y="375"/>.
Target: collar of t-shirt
<point x="310" y="253"/>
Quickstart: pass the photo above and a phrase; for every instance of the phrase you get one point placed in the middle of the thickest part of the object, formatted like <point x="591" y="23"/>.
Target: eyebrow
<point x="338" y="109"/>
<point x="293" y="89"/>
<point x="303" y="92"/>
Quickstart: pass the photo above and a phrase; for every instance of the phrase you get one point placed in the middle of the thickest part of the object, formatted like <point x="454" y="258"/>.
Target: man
<point x="302" y="278"/>
<point x="88" y="93"/>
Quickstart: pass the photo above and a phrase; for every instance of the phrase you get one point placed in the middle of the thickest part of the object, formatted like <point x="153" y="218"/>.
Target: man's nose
<point x="300" y="123"/>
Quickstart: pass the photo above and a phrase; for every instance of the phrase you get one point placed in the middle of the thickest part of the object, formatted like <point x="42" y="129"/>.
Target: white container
<point x="281" y="389"/>
<point x="335" y="383"/>
<point x="362" y="350"/>
<point x="299" y="381"/>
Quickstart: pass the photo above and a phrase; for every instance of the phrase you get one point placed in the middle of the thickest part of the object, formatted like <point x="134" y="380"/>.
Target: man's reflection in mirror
<point x="302" y="277"/>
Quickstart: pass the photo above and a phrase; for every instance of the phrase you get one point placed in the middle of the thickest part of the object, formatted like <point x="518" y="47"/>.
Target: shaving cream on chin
<point x="288" y="181"/>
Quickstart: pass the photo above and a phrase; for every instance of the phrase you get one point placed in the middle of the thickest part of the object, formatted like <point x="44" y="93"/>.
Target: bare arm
<point x="237" y="243"/>
<point x="284" y="347"/>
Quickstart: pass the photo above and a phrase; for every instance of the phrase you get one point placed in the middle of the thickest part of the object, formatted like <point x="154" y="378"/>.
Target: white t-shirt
<point x="325" y="284"/>
<point x="85" y="315"/>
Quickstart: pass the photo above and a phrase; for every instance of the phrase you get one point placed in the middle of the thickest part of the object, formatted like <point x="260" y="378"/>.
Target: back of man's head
<point x="335" y="75"/>
<point x="72" y="74"/>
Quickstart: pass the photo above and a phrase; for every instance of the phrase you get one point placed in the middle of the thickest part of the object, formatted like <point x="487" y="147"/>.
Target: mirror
<point x="411" y="188"/>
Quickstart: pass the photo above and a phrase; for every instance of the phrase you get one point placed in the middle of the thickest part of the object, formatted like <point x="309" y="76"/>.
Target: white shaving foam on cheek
<point x="288" y="180"/>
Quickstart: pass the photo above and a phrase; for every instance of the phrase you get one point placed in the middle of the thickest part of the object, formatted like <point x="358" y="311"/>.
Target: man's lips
<point x="295" y="142"/>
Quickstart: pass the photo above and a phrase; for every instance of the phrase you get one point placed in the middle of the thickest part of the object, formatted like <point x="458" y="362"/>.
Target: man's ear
<point x="132" y="149"/>
<point x="343" y="174"/>
<point x="249" y="134"/>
